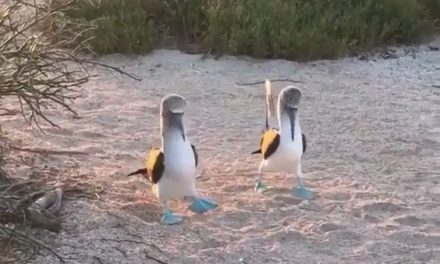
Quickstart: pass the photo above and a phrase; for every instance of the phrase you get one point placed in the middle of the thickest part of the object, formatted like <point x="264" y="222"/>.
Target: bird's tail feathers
<point x="270" y="109"/>
<point x="256" y="151"/>
<point x="142" y="171"/>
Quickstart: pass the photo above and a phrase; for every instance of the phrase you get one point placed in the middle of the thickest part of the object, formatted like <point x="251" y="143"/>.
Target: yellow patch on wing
<point x="155" y="164"/>
<point x="269" y="142"/>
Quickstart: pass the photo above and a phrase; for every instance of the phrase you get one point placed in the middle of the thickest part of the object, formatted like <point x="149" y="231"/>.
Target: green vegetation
<point x="294" y="29"/>
<point x="433" y="8"/>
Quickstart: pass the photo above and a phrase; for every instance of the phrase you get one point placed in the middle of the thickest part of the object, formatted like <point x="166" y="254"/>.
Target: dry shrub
<point x="39" y="74"/>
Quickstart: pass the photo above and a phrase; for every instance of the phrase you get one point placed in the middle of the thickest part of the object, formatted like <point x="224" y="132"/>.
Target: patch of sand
<point x="373" y="157"/>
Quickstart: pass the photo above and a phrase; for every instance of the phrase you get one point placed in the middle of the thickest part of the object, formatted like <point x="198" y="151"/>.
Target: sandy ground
<point x="373" y="159"/>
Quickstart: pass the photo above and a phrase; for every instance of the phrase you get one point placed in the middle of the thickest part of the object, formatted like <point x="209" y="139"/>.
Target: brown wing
<point x="155" y="165"/>
<point x="304" y="142"/>
<point x="269" y="142"/>
<point x="196" y="156"/>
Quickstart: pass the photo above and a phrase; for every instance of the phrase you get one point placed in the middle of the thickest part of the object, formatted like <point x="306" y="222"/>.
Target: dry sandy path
<point x="373" y="158"/>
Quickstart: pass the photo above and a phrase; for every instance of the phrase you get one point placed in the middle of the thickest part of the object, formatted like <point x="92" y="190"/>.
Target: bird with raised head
<point x="172" y="168"/>
<point x="282" y="148"/>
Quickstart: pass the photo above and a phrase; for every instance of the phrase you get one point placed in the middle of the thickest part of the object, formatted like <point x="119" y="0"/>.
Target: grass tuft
<point x="293" y="29"/>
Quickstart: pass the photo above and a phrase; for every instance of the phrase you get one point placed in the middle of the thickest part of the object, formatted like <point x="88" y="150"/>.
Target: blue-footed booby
<point x="172" y="168"/>
<point x="282" y="148"/>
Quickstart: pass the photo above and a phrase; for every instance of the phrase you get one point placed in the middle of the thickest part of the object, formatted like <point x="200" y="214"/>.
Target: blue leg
<point x="201" y="205"/>
<point x="259" y="186"/>
<point x="301" y="191"/>
<point x="169" y="218"/>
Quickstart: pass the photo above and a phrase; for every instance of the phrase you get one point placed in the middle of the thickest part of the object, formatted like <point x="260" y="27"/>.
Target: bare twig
<point x="271" y="80"/>
<point x="24" y="204"/>
<point x="135" y="242"/>
<point x="121" y="251"/>
<point x="109" y="67"/>
<point x="48" y="151"/>
<point x="132" y="241"/>
<point x="7" y="112"/>
<point x="18" y="235"/>
<point x="98" y="259"/>
<point x="4" y="179"/>
<point x="125" y="240"/>
<point x="35" y="67"/>
<point x="153" y="258"/>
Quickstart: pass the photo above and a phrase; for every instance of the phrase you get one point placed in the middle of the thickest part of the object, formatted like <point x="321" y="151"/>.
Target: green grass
<point x="311" y="28"/>
<point x="293" y="29"/>
<point x="112" y="26"/>
<point x="433" y="8"/>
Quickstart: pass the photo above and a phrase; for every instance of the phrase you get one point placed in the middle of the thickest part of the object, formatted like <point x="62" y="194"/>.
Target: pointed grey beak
<point x="292" y="115"/>
<point x="176" y="122"/>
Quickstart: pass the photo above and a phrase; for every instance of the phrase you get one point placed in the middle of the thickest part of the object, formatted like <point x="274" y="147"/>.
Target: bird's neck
<point x="285" y="127"/>
<point x="171" y="127"/>
<point x="172" y="138"/>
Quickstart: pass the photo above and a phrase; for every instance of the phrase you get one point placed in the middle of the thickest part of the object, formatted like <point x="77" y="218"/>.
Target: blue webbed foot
<point x="201" y="205"/>
<point x="170" y="218"/>
<point x="303" y="193"/>
<point x="261" y="187"/>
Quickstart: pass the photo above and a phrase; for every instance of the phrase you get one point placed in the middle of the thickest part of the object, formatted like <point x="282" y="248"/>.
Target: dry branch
<point x="271" y="80"/>
<point x="22" y="238"/>
<point x="26" y="204"/>
<point x="40" y="74"/>
<point x="139" y="242"/>
<point x="148" y="256"/>
<point x="3" y="177"/>
<point x="48" y="151"/>
<point x="35" y="69"/>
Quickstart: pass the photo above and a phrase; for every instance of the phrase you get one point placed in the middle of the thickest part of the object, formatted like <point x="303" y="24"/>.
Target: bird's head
<point x="173" y="104"/>
<point x="172" y="109"/>
<point x="289" y="100"/>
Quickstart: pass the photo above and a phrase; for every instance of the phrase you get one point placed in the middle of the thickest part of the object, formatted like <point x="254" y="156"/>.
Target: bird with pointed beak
<point x="171" y="169"/>
<point x="282" y="148"/>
